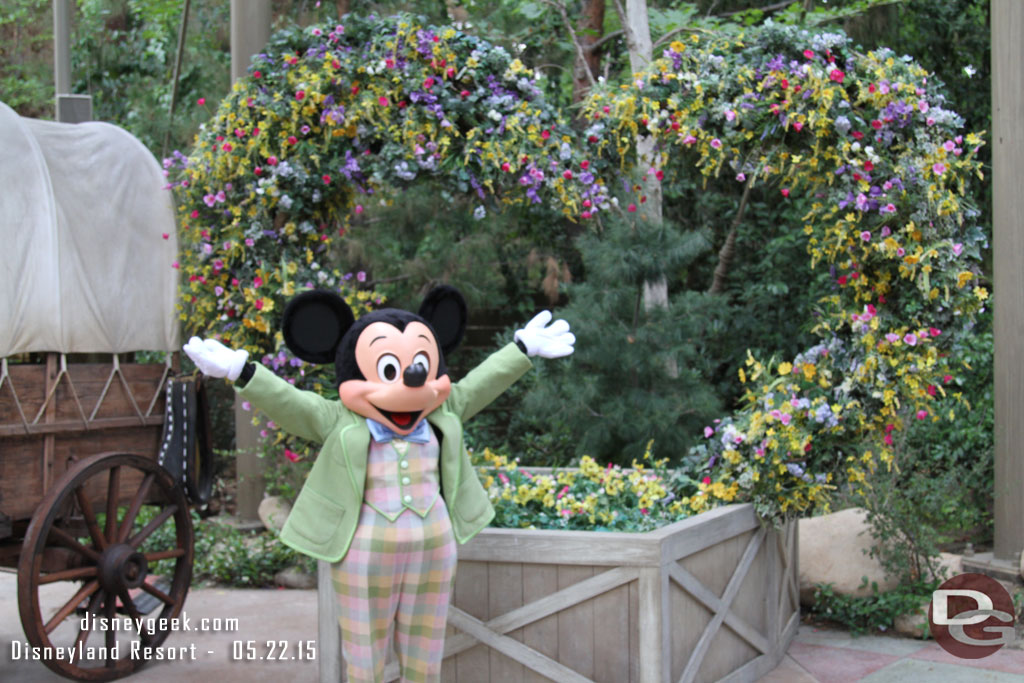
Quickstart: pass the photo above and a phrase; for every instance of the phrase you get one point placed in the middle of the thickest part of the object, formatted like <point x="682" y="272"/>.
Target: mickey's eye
<point x="388" y="368"/>
<point x="422" y="359"/>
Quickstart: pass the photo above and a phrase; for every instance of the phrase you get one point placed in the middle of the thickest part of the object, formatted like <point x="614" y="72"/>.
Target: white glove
<point x="214" y="359"/>
<point x="553" y="341"/>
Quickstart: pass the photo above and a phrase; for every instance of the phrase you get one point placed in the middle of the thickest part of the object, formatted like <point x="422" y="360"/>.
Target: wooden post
<point x="1008" y="247"/>
<point x="250" y="30"/>
<point x="62" y="46"/>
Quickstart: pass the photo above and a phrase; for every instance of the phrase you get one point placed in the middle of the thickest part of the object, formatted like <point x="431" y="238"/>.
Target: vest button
<point x="404" y="464"/>
<point x="407" y="498"/>
<point x="406" y="481"/>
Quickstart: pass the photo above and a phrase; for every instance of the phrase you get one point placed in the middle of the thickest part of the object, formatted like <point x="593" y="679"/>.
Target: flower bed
<point x="707" y="597"/>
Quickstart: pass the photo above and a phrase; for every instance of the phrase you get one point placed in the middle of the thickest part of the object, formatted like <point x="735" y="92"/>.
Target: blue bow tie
<point x="383" y="434"/>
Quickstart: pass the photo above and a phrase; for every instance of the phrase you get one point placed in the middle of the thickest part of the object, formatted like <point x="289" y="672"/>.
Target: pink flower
<point x="689" y="140"/>
<point x="865" y="235"/>
<point x="910" y="339"/>
<point x="922" y="414"/>
<point x="946" y="379"/>
<point x="201" y="101"/>
<point x="706" y="481"/>
<point x="503" y="477"/>
<point x="730" y="115"/>
<point x="938" y="168"/>
<point x="291" y="455"/>
<point x="741" y="177"/>
<point x="359" y="208"/>
<point x="165" y="235"/>
<point x="249" y="241"/>
<point x="786" y="418"/>
<point x="382" y="101"/>
<point x="922" y="107"/>
<point x="930" y="121"/>
<point x="785" y="192"/>
<point x="586" y="214"/>
<point x="631" y="208"/>
<point x="300" y="95"/>
<point x="892" y="337"/>
<point x="949" y="146"/>
<point x="836" y="75"/>
<point x="361" y="276"/>
<point x="809" y="54"/>
<point x="934" y="332"/>
<point x="567" y="175"/>
<point x="272" y="161"/>
<point x="798" y="126"/>
<point x="708" y="431"/>
<point x="428" y="82"/>
<point x="716" y="143"/>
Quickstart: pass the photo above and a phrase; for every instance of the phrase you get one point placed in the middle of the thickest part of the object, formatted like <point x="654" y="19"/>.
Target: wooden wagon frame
<point x="99" y="455"/>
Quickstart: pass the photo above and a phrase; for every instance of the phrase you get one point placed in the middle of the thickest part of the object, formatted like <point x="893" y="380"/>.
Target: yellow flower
<point x="785" y="368"/>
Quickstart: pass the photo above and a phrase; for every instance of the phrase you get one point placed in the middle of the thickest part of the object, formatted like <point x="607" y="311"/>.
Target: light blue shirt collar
<point x="383" y="434"/>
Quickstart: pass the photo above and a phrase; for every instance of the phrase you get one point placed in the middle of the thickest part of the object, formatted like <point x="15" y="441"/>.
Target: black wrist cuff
<point x="248" y="370"/>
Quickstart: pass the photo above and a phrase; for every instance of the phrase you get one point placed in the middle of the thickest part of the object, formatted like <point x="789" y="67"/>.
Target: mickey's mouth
<point x="401" y="420"/>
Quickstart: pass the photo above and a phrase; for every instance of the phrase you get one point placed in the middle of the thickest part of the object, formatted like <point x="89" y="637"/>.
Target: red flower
<point x="259" y="304"/>
<point x="706" y="481"/>
<point x="166" y="236"/>
<point x="842" y="279"/>
<point x="876" y="124"/>
<point x="326" y="178"/>
<point x="272" y="161"/>
<point x="428" y="82"/>
<point x="784" y="84"/>
<point x="659" y="174"/>
<point x="868" y="166"/>
<point x="226" y="147"/>
<point x="592" y="138"/>
<point x="871" y="88"/>
<point x="785" y="192"/>
<point x="856" y="176"/>
<point x="292" y="140"/>
<point x="300" y="95"/>
<point x="382" y="101"/>
<point x="584" y="165"/>
<point x="195" y="213"/>
<point x="586" y="204"/>
<point x="567" y="175"/>
<point x="450" y="72"/>
<point x="355" y="89"/>
<point x="809" y="54"/>
<point x="256" y="74"/>
<point x="291" y="455"/>
<point x="857" y="135"/>
<point x="505" y="167"/>
<point x="201" y="101"/>
<point x="836" y="75"/>
<point x="464" y="93"/>
<point x="258" y="170"/>
<point x="631" y="208"/>
<point x="545" y="134"/>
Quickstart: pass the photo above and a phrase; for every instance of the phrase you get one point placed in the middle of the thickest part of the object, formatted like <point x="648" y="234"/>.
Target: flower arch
<point x="865" y="142"/>
<point x="329" y="117"/>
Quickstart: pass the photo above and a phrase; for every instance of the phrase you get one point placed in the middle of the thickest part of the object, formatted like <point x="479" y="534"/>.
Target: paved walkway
<point x="817" y="655"/>
<point x="822" y="655"/>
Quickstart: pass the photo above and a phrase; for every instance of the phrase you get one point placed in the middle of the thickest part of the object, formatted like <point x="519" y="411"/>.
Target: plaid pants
<point x="395" y="582"/>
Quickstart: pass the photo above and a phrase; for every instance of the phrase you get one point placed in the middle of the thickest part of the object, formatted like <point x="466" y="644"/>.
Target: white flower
<point x="969" y="71"/>
<point x="479" y="212"/>
<point x="493" y="115"/>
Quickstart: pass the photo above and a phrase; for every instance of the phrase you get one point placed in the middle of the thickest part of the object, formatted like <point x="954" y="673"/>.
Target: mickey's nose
<point x="415" y="375"/>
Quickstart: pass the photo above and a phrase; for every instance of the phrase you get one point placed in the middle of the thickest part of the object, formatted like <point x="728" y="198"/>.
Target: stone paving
<point x="826" y="655"/>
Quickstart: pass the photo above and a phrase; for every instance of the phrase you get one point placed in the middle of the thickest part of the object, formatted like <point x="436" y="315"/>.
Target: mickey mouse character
<point x="393" y="488"/>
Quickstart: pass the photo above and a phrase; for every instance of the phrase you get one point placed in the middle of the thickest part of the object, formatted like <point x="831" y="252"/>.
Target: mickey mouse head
<point x="390" y="364"/>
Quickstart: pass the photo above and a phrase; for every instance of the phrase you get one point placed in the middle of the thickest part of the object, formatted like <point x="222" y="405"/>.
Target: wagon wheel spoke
<point x="69" y="575"/>
<point x="94" y="606"/>
<point x="109" y="609"/>
<point x="164" y="554"/>
<point x="133" y="612"/>
<point x="66" y="539"/>
<point x="154" y="523"/>
<point x="98" y="539"/>
<point x="69" y="607"/>
<point x="157" y="593"/>
<point x="113" y="491"/>
<point x="133" y="509"/>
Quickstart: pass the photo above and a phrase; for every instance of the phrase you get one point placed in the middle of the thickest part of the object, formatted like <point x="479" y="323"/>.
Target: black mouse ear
<point x="445" y="309"/>
<point x="314" y="323"/>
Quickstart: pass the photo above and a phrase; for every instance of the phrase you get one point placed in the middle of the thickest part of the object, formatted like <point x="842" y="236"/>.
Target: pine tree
<point x="636" y="374"/>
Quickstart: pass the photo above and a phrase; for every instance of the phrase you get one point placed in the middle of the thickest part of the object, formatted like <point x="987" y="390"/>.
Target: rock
<point x="915" y="624"/>
<point x="273" y="511"/>
<point x="293" y="577"/>
<point x="833" y="549"/>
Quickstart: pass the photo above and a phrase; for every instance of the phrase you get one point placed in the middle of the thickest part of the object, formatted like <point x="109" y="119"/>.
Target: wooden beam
<point x="1008" y="246"/>
<point x="250" y="31"/>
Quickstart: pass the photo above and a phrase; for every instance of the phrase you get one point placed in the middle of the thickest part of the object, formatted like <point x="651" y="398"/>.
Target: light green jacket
<point x="323" y="520"/>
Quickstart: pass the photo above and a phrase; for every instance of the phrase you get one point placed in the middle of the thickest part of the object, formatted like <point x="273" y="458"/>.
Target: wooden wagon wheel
<point x="110" y="558"/>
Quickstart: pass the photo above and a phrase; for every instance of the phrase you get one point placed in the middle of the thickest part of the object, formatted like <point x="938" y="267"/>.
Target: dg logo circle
<point x="971" y="616"/>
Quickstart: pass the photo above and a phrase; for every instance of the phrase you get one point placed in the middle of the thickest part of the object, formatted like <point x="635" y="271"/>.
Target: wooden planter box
<point x="709" y="598"/>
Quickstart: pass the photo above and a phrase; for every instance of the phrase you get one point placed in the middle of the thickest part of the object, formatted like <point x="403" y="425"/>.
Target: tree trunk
<point x="590" y="29"/>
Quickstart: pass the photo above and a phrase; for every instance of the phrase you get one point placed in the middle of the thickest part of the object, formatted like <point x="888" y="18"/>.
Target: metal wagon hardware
<point x="100" y="456"/>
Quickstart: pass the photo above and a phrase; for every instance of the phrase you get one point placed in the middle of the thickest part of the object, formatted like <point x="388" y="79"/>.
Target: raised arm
<point x="302" y="413"/>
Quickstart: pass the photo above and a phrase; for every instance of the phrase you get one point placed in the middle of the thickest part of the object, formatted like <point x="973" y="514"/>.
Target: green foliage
<point x="224" y="554"/>
<point x="644" y="375"/>
<point x="875" y="612"/>
<point x="123" y="55"/>
<point x="26" y="57"/>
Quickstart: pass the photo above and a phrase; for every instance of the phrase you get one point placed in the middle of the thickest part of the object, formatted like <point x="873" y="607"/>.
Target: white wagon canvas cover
<point x="87" y="241"/>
